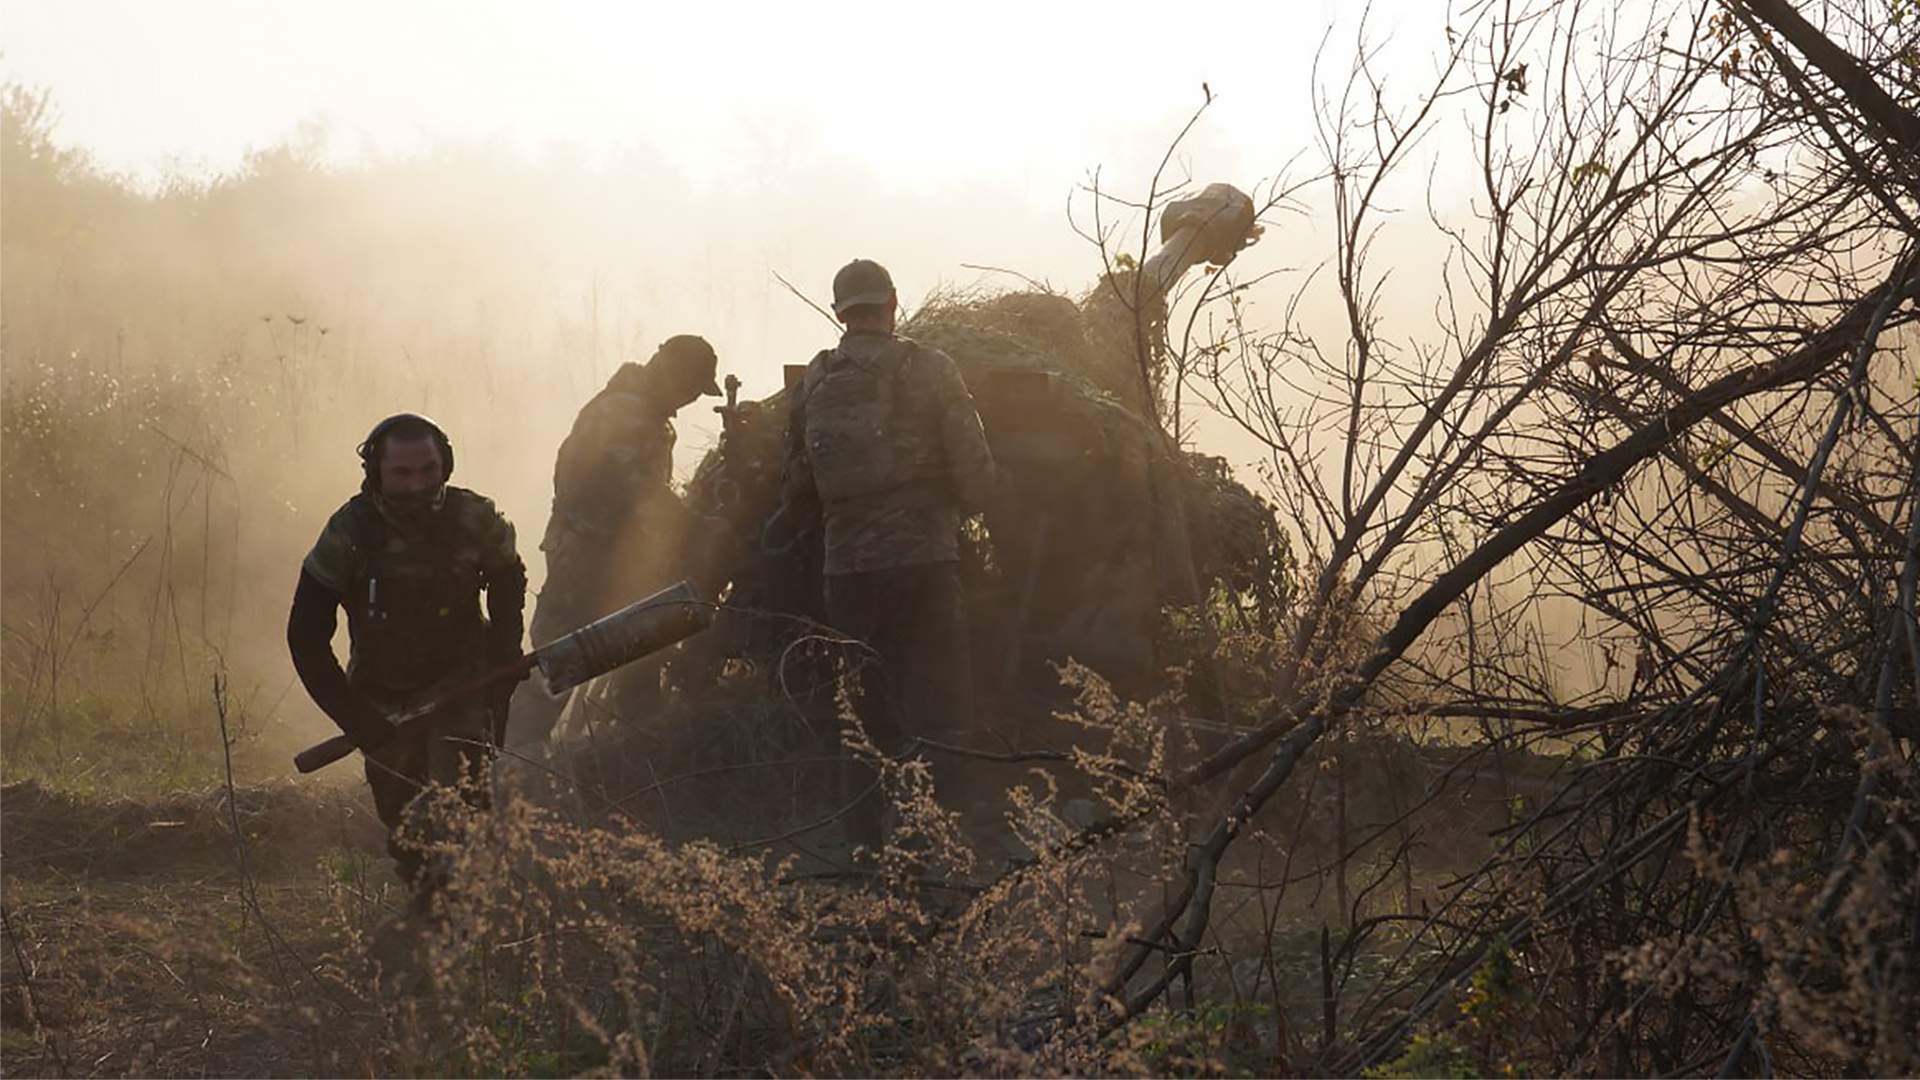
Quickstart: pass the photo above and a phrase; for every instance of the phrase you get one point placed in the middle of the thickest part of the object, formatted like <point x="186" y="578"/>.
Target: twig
<point x="26" y="994"/>
<point x="749" y="845"/>
<point x="249" y="889"/>
<point x="1037" y="286"/>
<point x="824" y="313"/>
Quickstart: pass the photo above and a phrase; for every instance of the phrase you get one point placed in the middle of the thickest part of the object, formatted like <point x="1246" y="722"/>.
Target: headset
<point x="369" y="448"/>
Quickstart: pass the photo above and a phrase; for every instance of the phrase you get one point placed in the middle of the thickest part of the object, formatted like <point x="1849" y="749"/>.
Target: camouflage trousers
<point x="914" y="678"/>
<point x="453" y="751"/>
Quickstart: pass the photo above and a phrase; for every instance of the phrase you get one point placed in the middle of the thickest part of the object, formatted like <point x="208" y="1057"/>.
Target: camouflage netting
<point x="1238" y="545"/>
<point x="1025" y="331"/>
<point x="1101" y="523"/>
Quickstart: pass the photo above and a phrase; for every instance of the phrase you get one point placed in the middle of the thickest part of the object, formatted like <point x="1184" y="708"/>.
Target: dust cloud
<point x="191" y="360"/>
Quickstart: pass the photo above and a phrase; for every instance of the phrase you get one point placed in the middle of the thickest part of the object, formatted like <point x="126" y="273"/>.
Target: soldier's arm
<point x="607" y="465"/>
<point x="310" y="627"/>
<point x="799" y="499"/>
<point x="639" y="469"/>
<point x="655" y="485"/>
<point x="969" y="460"/>
<point x="505" y="575"/>
<point x="506" y="611"/>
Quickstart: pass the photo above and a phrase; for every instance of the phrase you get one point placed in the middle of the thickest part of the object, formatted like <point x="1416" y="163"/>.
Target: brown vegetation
<point x="1575" y="735"/>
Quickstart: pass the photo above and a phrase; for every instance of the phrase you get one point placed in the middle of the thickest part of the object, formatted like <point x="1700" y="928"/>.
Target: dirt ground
<point x="143" y="940"/>
<point x="138" y="945"/>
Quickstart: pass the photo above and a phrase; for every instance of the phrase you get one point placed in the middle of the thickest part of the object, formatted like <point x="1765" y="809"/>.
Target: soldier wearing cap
<point x="886" y="450"/>
<point x="618" y="530"/>
<point x="408" y="558"/>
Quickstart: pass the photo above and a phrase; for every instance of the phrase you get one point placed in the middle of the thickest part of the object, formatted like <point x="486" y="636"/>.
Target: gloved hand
<point x="372" y="731"/>
<point x="502" y="647"/>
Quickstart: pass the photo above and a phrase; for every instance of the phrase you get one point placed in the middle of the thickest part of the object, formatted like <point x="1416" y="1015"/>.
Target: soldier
<point x="617" y="526"/>
<point x="885" y="448"/>
<point x="408" y="558"/>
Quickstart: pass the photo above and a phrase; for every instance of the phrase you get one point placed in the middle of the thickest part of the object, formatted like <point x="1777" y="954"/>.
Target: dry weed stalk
<point x="1663" y="391"/>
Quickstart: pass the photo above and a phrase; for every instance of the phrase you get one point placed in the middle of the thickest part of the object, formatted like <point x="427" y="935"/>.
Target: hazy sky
<point x="979" y="118"/>
<point x="1025" y="96"/>
<point x="987" y="114"/>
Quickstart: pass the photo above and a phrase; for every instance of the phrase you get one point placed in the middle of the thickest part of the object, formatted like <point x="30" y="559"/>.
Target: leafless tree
<point x="1650" y="392"/>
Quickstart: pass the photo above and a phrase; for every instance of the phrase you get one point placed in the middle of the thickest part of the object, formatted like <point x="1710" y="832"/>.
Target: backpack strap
<point x="368" y="529"/>
<point x="809" y="382"/>
<point x="816" y="371"/>
<point x="903" y="370"/>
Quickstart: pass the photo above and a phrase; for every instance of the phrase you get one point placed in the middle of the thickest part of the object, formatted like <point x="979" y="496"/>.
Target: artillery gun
<point x="1101" y="521"/>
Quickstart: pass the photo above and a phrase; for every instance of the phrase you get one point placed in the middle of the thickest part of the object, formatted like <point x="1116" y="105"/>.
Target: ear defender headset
<point x="369" y="449"/>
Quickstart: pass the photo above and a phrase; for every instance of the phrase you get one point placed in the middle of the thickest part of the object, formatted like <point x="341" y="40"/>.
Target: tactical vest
<point x="413" y="616"/>
<point x="867" y="433"/>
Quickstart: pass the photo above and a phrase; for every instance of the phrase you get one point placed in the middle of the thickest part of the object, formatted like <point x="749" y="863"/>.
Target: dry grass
<point x="583" y="937"/>
<point x="1698" y="875"/>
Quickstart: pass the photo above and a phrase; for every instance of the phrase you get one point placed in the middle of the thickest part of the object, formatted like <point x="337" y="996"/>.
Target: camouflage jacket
<point x="883" y="437"/>
<point x="616" y="463"/>
<point x="412" y="587"/>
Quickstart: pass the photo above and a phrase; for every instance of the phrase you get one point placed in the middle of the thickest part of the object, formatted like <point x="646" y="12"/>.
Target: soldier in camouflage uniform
<point x="886" y="451"/>
<point x="618" y="530"/>
<point x="408" y="558"/>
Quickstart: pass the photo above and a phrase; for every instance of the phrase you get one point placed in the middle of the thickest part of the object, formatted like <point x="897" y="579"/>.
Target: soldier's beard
<point x="413" y="505"/>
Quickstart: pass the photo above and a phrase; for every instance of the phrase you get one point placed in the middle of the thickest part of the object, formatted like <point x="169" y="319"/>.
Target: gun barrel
<point x="322" y="754"/>
<point x="667" y="617"/>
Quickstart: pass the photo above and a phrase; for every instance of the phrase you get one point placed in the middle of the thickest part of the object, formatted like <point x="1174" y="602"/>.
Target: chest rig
<point x="413" y="614"/>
